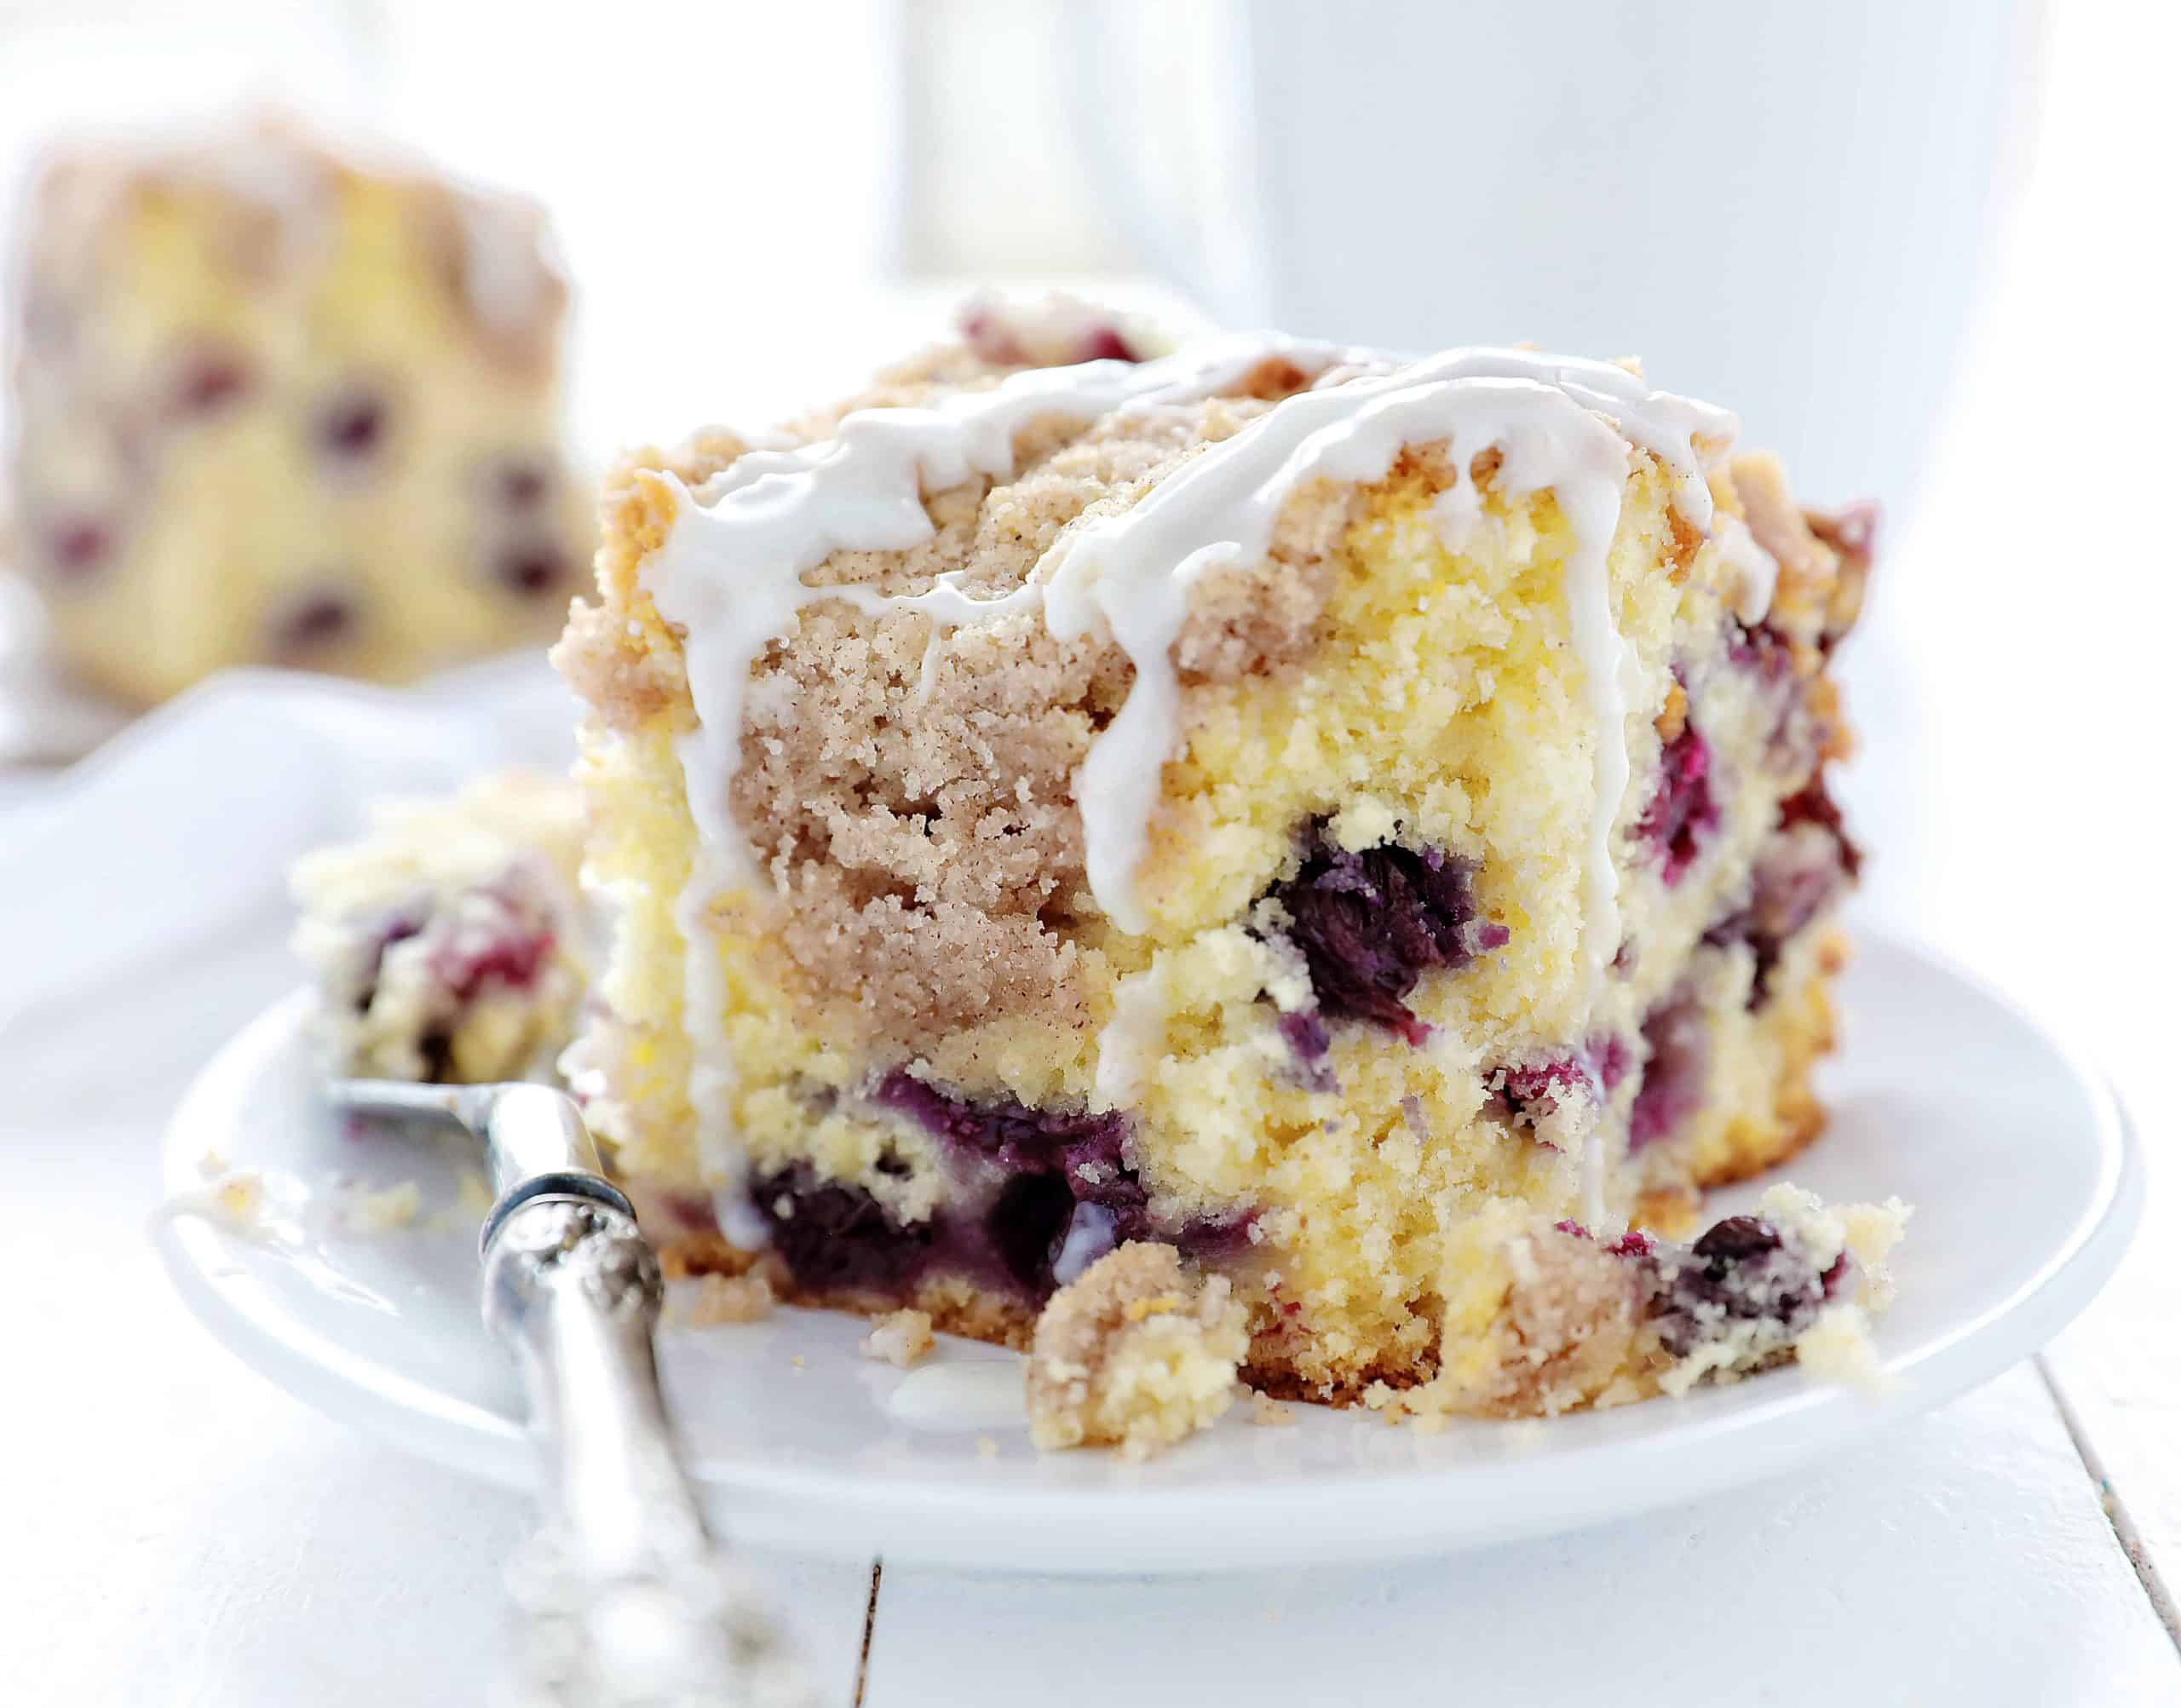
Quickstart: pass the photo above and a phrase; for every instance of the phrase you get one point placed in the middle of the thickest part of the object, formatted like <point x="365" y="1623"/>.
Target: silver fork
<point x="623" y="1597"/>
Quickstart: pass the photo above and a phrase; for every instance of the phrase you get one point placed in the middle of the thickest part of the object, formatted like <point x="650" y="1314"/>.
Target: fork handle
<point x="622" y="1598"/>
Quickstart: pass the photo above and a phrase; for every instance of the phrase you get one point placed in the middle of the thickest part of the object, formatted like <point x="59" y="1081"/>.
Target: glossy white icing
<point x="1756" y="571"/>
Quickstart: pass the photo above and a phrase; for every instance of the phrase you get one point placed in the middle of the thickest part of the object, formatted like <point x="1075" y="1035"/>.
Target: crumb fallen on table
<point x="987" y="1448"/>
<point x="898" y="1337"/>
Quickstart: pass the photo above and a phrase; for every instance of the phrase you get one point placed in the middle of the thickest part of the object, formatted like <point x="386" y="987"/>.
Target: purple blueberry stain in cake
<point x="1529" y="1092"/>
<point x="398" y="927"/>
<point x="78" y="548"/>
<point x="837" y="1237"/>
<point x="1371" y="923"/>
<point x="1306" y="1035"/>
<point x="1026" y="1227"/>
<point x="1801" y="870"/>
<point x="351" y="428"/>
<point x="1057" y="335"/>
<point x="1814" y="804"/>
<point x="311" y="624"/>
<point x="1309" y="1041"/>
<point x="1741" y="1270"/>
<point x="1612" y="1056"/>
<point x="531" y="571"/>
<point x="1682" y="812"/>
<point x="511" y="962"/>
<point x="1634" y="1243"/>
<point x="1037" y="1181"/>
<point x="1761" y="649"/>
<point x="1012" y="1133"/>
<point x="208" y="381"/>
<point x="518" y="485"/>
<point x="1675" y="1068"/>
<point x="1104" y="343"/>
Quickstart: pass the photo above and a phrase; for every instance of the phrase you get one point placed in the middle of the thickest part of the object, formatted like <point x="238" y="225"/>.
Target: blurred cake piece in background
<point x="1056" y="330"/>
<point x="274" y="406"/>
<point x="448" y="943"/>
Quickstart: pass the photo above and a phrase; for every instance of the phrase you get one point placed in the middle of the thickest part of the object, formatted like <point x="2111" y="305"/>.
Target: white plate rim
<point x="1378" y="1515"/>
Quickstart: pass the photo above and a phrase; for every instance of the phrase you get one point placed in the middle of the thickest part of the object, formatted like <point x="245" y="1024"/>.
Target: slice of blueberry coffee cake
<point x="1331" y="814"/>
<point x="275" y="406"/>
<point x="450" y="943"/>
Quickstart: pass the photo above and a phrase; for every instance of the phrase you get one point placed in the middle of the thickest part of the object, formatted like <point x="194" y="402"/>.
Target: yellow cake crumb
<point x="240" y="1195"/>
<point x="1837" y="1348"/>
<point x="1133" y="1353"/>
<point x="898" y="1337"/>
<point x="383" y="1210"/>
<point x="720" y="1299"/>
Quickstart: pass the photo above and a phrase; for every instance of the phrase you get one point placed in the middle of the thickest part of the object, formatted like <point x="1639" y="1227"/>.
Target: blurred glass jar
<point x="1791" y="210"/>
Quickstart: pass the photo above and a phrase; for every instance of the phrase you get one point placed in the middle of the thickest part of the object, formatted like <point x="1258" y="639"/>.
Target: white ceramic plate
<point x="2026" y="1180"/>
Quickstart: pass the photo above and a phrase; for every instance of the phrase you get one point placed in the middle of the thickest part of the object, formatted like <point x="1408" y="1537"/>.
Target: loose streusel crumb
<point x="1135" y="1353"/>
<point x="1269" y="1413"/>
<point x="898" y="1337"/>
<point x="731" y="1299"/>
<point x="383" y="1211"/>
<point x="240" y="1196"/>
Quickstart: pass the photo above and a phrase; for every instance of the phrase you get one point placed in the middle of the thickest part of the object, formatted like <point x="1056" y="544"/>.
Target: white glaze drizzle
<point x="1757" y="572"/>
<point x="730" y="572"/>
<point x="1129" y="572"/>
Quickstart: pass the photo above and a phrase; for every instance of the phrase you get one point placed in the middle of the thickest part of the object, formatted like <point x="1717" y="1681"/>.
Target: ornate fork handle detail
<point x="622" y="1600"/>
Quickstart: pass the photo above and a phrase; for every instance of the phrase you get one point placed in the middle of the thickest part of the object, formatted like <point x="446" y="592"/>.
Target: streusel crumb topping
<point x="1136" y="1353"/>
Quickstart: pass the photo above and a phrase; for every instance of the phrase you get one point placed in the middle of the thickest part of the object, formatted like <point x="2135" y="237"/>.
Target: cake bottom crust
<point x="1799" y="1024"/>
<point x="954" y="1304"/>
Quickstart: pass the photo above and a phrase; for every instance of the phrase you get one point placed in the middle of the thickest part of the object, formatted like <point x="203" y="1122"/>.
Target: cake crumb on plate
<point x="730" y="1299"/>
<point x="898" y="1337"/>
<point x="1136" y="1353"/>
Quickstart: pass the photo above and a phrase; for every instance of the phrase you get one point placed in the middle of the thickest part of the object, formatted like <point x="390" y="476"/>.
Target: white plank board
<point x="1966" y="1559"/>
<point x="178" y="1531"/>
